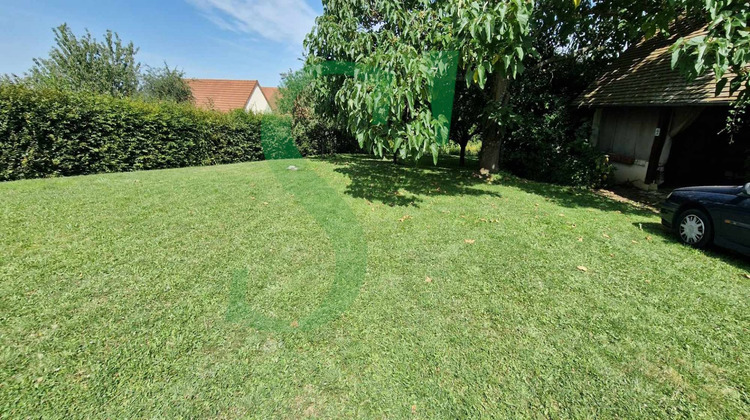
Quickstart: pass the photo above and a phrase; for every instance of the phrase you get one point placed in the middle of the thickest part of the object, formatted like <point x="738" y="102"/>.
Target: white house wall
<point x="257" y="102"/>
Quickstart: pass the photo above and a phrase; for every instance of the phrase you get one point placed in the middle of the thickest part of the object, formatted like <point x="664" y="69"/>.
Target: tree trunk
<point x="492" y="143"/>
<point x="462" y="161"/>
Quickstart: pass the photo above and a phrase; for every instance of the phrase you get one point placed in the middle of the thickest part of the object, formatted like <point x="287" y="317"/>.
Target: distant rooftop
<point x="222" y="95"/>
<point x="272" y="96"/>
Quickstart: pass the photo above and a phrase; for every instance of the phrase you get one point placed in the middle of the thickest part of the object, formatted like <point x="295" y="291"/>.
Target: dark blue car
<point x="704" y="215"/>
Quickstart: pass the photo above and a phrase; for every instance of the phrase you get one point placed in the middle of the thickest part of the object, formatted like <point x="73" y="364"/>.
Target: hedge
<point x="46" y="133"/>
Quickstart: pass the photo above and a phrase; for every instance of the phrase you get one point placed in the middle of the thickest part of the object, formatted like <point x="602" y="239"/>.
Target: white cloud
<point x="284" y="21"/>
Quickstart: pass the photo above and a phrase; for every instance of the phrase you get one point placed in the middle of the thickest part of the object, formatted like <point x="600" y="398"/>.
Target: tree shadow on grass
<point x="573" y="197"/>
<point x="406" y="184"/>
<point x="379" y="180"/>
<point x="728" y="256"/>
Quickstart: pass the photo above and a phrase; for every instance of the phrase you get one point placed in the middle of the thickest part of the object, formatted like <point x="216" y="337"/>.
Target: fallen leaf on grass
<point x="428" y="280"/>
<point x="469" y="241"/>
<point x="294" y="324"/>
<point x="634" y="241"/>
<point x="580" y="239"/>
<point x="605" y="235"/>
<point x="407" y="217"/>
<point x="265" y="203"/>
<point x="582" y="268"/>
<point x="747" y="276"/>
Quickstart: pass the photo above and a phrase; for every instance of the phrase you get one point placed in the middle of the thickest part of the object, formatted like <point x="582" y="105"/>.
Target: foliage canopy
<point x="401" y="41"/>
<point x="109" y="67"/>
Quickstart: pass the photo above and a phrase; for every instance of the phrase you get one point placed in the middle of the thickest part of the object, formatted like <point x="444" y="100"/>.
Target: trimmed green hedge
<point x="50" y="133"/>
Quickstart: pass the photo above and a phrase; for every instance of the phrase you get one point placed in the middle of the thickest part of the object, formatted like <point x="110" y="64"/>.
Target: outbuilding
<point x="658" y="128"/>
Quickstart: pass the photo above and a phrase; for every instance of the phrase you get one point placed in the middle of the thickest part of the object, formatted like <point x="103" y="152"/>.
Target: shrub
<point x="47" y="133"/>
<point x="550" y="148"/>
<point x="314" y="132"/>
<point x="165" y="84"/>
<point x="546" y="139"/>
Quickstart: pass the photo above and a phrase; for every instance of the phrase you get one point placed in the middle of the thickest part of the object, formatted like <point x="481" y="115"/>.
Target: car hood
<point x="729" y="190"/>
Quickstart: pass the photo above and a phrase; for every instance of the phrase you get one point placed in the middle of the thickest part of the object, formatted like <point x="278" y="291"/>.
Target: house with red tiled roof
<point x="229" y="95"/>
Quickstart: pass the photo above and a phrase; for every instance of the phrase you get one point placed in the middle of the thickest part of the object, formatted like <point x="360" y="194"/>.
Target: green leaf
<point x="434" y="150"/>
<point x="506" y="61"/>
<point x="675" y="57"/>
<point x="523" y="18"/>
<point x="720" y="86"/>
<point x="696" y="40"/>
<point x="410" y="98"/>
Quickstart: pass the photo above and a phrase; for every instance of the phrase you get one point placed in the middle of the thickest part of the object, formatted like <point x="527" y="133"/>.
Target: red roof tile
<point x="272" y="95"/>
<point x="222" y="95"/>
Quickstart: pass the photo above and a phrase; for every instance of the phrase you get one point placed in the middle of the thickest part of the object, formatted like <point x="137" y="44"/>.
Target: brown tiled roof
<point x="643" y="75"/>
<point x="222" y="95"/>
<point x="271" y="94"/>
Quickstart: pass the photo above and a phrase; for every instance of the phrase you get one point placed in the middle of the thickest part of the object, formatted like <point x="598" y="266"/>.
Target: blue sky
<point x="222" y="39"/>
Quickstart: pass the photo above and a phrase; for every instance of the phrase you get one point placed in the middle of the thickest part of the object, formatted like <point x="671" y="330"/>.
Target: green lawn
<point x="116" y="299"/>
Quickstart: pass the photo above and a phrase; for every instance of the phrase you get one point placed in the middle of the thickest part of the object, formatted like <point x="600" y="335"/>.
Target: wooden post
<point x="660" y="136"/>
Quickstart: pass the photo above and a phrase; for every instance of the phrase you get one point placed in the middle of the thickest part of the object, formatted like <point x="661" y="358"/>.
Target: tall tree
<point x="165" y="84"/>
<point x="87" y="65"/>
<point x="402" y="48"/>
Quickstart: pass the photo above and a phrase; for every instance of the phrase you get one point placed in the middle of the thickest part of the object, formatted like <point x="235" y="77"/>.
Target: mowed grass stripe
<point x="114" y="292"/>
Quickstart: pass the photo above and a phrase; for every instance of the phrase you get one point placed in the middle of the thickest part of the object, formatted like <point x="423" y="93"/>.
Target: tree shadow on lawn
<point x="379" y="180"/>
<point x="402" y="184"/>
<point x="573" y="197"/>
<point x="728" y="256"/>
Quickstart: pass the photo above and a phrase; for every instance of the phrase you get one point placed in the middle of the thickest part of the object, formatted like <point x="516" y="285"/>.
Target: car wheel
<point x="694" y="228"/>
